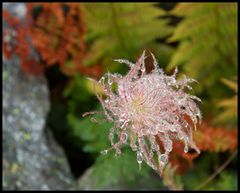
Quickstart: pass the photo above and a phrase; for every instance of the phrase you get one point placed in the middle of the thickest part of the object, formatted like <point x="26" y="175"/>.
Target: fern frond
<point x="229" y="106"/>
<point x="207" y="38"/>
<point x="122" y="29"/>
<point x="231" y="84"/>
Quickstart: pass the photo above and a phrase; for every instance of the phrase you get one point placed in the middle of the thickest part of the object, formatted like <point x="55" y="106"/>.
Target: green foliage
<point x="200" y="172"/>
<point x="110" y="170"/>
<point x="75" y="88"/>
<point x="203" y="168"/>
<point x="81" y="95"/>
<point x="207" y="38"/>
<point x="229" y="106"/>
<point x="226" y="181"/>
<point x="120" y="30"/>
<point x="94" y="135"/>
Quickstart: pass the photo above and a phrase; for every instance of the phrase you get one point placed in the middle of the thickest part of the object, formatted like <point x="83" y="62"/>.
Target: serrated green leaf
<point x="124" y="30"/>
<point x="109" y="170"/>
<point x="95" y="135"/>
<point x="207" y="37"/>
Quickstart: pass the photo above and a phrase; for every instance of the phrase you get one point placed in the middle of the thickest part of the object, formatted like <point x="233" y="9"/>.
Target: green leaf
<point x="123" y="31"/>
<point x="110" y="170"/>
<point x="207" y="37"/>
<point x="226" y="181"/>
<point x="233" y="85"/>
<point x="95" y="135"/>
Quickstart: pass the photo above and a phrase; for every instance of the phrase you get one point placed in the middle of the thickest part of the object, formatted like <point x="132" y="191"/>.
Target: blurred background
<point x="48" y="51"/>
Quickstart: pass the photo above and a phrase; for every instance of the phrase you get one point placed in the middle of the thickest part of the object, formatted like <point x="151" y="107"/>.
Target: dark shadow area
<point x="78" y="160"/>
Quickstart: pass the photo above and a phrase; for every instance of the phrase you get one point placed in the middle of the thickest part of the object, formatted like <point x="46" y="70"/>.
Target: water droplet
<point x="134" y="147"/>
<point x="186" y="149"/>
<point x="154" y="167"/>
<point x="180" y="135"/>
<point x="140" y="166"/>
<point x="163" y="159"/>
<point x="154" y="146"/>
<point x="106" y="101"/>
<point x="199" y="115"/>
<point x="143" y="69"/>
<point x="139" y="157"/>
<point x="164" y="123"/>
<point x="173" y="128"/>
<point x="101" y="80"/>
<point x="110" y="82"/>
<point x="104" y="152"/>
<point x="169" y="146"/>
<point x="124" y="137"/>
<point x="184" y="123"/>
<point x="154" y="130"/>
<point x="135" y="77"/>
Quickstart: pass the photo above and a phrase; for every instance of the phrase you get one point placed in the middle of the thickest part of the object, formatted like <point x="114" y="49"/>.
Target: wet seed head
<point x="146" y="106"/>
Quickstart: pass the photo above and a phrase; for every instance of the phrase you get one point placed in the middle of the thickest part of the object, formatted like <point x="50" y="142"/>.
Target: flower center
<point x="137" y="105"/>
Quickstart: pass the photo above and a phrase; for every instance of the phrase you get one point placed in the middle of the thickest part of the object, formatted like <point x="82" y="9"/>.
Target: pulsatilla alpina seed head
<point x="148" y="110"/>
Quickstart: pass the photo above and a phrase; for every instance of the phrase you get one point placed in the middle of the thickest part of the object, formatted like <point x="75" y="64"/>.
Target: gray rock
<point x="31" y="158"/>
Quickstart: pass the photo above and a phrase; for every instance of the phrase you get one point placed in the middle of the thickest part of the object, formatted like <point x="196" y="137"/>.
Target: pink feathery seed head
<point x="146" y="108"/>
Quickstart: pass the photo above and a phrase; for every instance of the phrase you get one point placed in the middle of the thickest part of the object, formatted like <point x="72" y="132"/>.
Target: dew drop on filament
<point x="180" y="135"/>
<point x="101" y="80"/>
<point x="154" y="167"/>
<point x="186" y="149"/>
<point x="139" y="159"/>
<point x="169" y="146"/>
<point x="104" y="152"/>
<point x="163" y="159"/>
<point x="134" y="147"/>
<point x="124" y="137"/>
<point x="110" y="82"/>
<point x="184" y="123"/>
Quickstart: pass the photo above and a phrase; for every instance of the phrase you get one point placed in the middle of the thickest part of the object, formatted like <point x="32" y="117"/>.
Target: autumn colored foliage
<point x="15" y="42"/>
<point x="207" y="138"/>
<point x="55" y="31"/>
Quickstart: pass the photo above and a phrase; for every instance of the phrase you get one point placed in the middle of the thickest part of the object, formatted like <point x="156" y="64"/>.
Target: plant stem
<point x="221" y="168"/>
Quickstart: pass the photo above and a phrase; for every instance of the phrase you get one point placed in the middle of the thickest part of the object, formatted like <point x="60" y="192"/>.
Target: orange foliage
<point x="15" y="42"/>
<point x="216" y="139"/>
<point x="56" y="31"/>
<point x="207" y="138"/>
